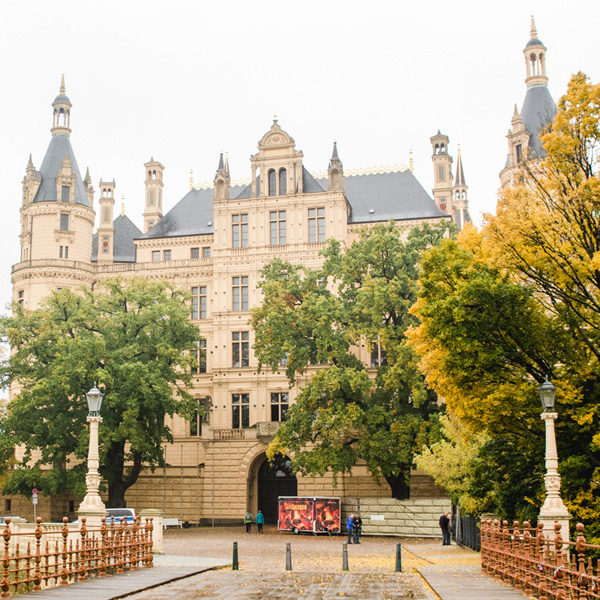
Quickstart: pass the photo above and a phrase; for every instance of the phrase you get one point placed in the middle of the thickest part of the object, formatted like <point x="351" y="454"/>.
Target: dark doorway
<point x="274" y="480"/>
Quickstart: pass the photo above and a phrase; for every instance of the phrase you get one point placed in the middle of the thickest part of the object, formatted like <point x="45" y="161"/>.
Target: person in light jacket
<point x="248" y="522"/>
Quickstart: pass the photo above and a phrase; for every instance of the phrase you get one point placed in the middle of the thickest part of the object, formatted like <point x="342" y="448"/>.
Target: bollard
<point x="288" y="556"/>
<point x="398" y="558"/>
<point x="345" y="557"/>
<point x="235" y="565"/>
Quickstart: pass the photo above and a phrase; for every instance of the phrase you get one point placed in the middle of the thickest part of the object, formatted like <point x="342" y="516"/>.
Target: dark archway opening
<point x="274" y="480"/>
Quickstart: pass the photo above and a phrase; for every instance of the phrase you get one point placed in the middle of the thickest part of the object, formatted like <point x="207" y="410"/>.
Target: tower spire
<point x="535" y="59"/>
<point x="61" y="123"/>
<point x="460" y="174"/>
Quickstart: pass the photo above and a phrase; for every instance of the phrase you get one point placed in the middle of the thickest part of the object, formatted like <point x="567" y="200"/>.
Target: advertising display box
<point x="309" y="514"/>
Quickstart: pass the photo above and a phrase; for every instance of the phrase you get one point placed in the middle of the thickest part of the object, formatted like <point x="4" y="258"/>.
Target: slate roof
<point x="533" y="42"/>
<point x="396" y="196"/>
<point x="123" y="247"/>
<point x="51" y="165"/>
<point x="537" y="111"/>
<point x="374" y="197"/>
<point x="192" y="215"/>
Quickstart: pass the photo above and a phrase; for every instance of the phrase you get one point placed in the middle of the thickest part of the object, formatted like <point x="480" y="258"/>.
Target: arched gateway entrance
<point x="274" y="480"/>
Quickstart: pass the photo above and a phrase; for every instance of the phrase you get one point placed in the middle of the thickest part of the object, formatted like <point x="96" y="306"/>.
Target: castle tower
<point x="57" y="218"/>
<point x="154" y="191"/>
<point x="106" y="230"/>
<point x="536" y="114"/>
<point x="335" y="172"/>
<point x="222" y="181"/>
<point x="459" y="193"/>
<point x="442" y="172"/>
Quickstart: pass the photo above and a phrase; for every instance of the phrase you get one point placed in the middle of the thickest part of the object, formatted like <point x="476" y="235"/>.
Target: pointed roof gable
<point x="59" y="148"/>
<point x="123" y="245"/>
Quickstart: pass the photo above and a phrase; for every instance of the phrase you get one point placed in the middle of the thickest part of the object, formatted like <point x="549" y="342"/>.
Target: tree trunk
<point x="117" y="489"/>
<point x="400" y="485"/>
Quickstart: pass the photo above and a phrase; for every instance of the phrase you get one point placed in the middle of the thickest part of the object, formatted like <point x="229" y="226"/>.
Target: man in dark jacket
<point x="357" y="522"/>
<point x="445" y="527"/>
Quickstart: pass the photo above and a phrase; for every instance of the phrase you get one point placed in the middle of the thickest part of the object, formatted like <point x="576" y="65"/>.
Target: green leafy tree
<point x="316" y="319"/>
<point x="136" y="341"/>
<point x="502" y="308"/>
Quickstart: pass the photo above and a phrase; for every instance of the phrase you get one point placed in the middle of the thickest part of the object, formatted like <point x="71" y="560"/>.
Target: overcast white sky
<point x="183" y="80"/>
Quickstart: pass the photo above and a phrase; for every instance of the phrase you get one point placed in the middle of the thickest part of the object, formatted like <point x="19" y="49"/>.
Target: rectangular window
<point x="21" y="297"/>
<point x="316" y="224"/>
<point x="239" y="231"/>
<point x="60" y="252"/>
<point x="63" y="252"/>
<point x="155" y="255"/>
<point x="519" y="150"/>
<point x="240" y="293"/>
<point x="199" y="302"/>
<point x="7" y="505"/>
<point x="206" y="252"/>
<point x="240" y="350"/>
<point x="105" y="244"/>
<point x="278" y="227"/>
<point x="167" y="255"/>
<point x="240" y="411"/>
<point x="279" y="406"/>
<point x="200" y="357"/>
<point x="195" y="253"/>
<point x="64" y="221"/>
<point x="66" y="251"/>
<point x="378" y="355"/>
<point x="65" y="193"/>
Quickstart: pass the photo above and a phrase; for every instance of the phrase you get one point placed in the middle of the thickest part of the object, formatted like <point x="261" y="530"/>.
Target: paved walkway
<point x="430" y="571"/>
<point x="454" y="573"/>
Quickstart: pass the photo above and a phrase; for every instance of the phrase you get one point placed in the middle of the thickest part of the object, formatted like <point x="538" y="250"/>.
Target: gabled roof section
<point x="384" y="196"/>
<point x="52" y="164"/>
<point x="123" y="246"/>
<point x="537" y="112"/>
<point x="192" y="215"/>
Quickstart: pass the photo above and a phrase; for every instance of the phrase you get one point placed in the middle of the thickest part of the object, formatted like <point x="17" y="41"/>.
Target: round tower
<point x="57" y="218"/>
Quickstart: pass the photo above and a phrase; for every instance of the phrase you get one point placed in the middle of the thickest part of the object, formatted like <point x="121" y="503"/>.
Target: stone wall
<point x="416" y="517"/>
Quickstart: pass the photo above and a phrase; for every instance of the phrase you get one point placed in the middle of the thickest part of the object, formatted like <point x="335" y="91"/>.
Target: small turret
<point x="222" y="181"/>
<point x="535" y="59"/>
<point x="461" y="202"/>
<point x="154" y="191"/>
<point x="106" y="230"/>
<point x="442" y="172"/>
<point x="335" y="171"/>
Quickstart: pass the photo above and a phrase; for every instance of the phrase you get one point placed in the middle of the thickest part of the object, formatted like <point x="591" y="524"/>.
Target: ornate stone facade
<point x="213" y="243"/>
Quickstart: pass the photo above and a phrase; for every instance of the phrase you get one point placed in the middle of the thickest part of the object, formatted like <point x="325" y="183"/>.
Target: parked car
<point x="12" y="518"/>
<point x="118" y="513"/>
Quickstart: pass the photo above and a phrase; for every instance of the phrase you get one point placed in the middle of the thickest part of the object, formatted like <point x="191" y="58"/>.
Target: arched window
<point x="282" y="181"/>
<point x="272" y="183"/>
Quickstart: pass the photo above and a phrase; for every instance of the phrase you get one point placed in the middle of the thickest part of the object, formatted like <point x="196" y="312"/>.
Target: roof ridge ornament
<point x="533" y="28"/>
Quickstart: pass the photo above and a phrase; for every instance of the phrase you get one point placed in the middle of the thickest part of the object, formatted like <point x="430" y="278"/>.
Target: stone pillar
<point x="157" y="531"/>
<point x="92" y="506"/>
<point x="553" y="508"/>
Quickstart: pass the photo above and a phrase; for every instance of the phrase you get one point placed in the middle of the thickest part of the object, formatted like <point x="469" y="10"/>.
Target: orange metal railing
<point x="44" y="557"/>
<point x="549" y="569"/>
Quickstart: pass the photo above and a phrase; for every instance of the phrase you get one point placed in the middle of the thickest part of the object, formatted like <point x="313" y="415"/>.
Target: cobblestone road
<point x="232" y="585"/>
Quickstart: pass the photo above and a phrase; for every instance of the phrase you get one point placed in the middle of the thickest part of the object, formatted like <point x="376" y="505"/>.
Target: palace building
<point x="214" y="242"/>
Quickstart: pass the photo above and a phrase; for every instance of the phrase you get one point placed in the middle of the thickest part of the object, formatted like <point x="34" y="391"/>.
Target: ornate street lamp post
<point x="92" y="505"/>
<point x="553" y="508"/>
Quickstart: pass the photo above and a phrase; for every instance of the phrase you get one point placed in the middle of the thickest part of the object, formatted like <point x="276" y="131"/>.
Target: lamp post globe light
<point x="553" y="508"/>
<point x="92" y="506"/>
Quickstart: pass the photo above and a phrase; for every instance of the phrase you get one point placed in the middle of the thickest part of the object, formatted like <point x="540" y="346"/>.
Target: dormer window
<point x="272" y="183"/>
<point x="282" y="181"/>
<point x="64" y="221"/>
<point x="66" y="193"/>
<point x="519" y="151"/>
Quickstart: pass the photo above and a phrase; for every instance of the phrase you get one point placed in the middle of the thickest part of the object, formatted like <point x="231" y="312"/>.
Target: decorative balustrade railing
<point x="35" y="559"/>
<point x="550" y="569"/>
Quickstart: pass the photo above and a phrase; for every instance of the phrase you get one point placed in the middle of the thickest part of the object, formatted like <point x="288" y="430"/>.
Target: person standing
<point x="248" y="522"/>
<point x="350" y="527"/>
<point x="445" y="527"/>
<point x="260" y="521"/>
<point x="357" y="529"/>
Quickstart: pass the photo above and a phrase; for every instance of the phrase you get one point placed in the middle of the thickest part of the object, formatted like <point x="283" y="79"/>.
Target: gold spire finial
<point x="62" y="84"/>
<point x="410" y="160"/>
<point x="533" y="29"/>
<point x="191" y="179"/>
<point x="123" y="205"/>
